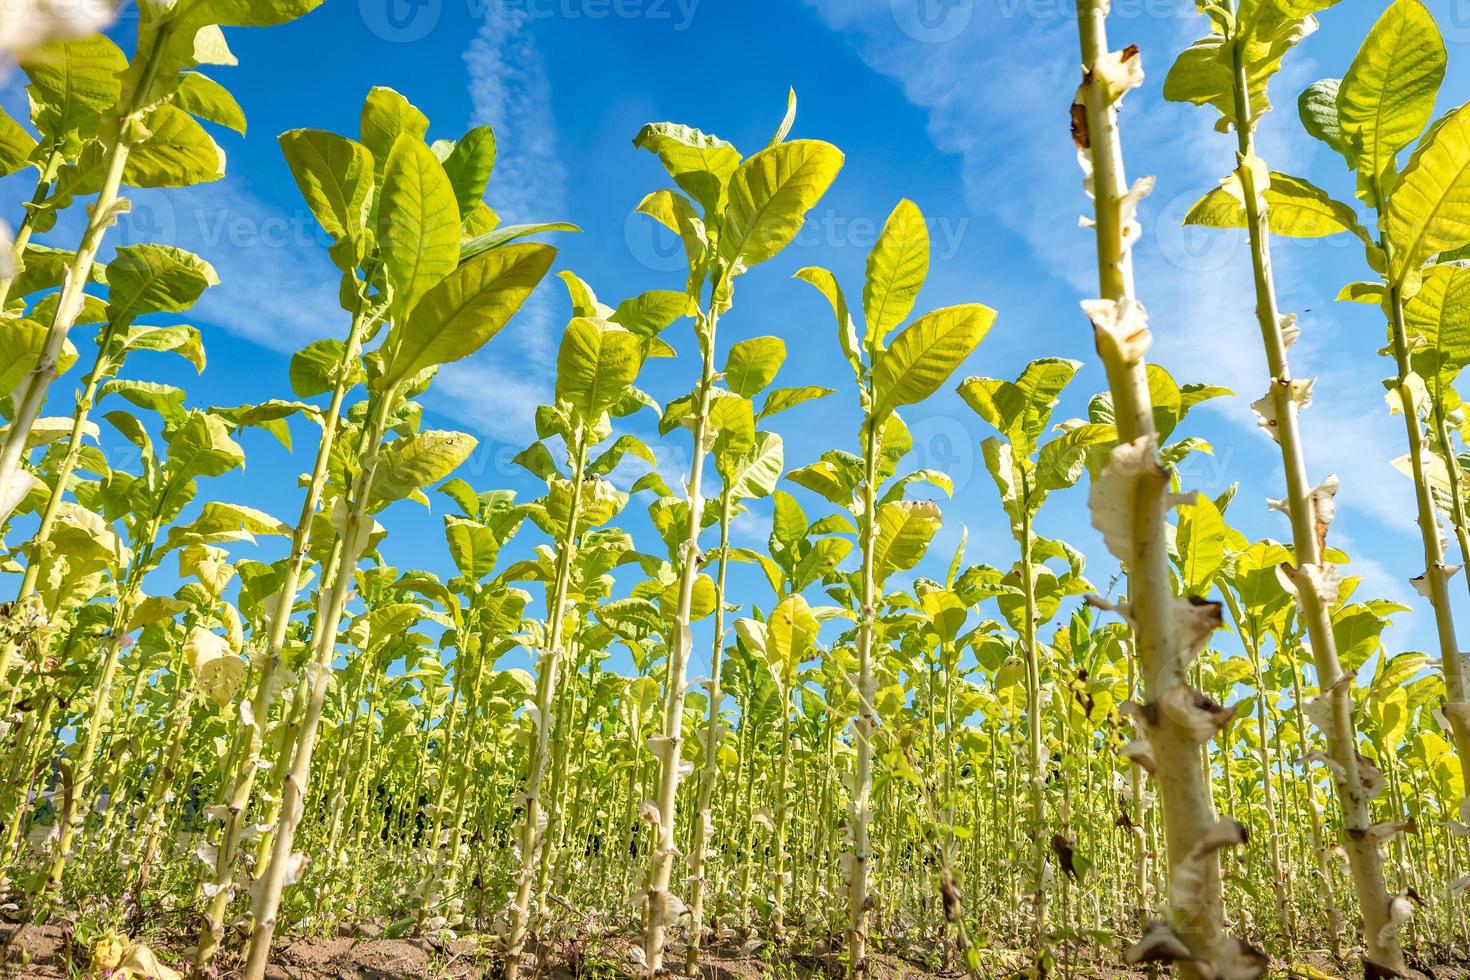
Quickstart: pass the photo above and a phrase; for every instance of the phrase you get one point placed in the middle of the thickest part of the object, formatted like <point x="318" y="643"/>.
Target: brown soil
<point x="50" y="952"/>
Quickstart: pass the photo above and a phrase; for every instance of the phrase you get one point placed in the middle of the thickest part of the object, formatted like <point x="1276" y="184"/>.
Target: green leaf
<point x="825" y="480"/>
<point x="897" y="268"/>
<point x="597" y="362"/>
<point x="472" y="546"/>
<point x="469" y="165"/>
<point x="201" y="96"/>
<point x="1429" y="211"/>
<point x="1201" y="544"/>
<point x="700" y="163"/>
<point x="847" y="336"/>
<point x="505" y="234"/>
<point x="753" y="364"/>
<point x="1295" y="208"/>
<point x="180" y="338"/>
<point x="905" y="528"/>
<point x="418" y="222"/>
<point x="755" y="472"/>
<point x="1439" y="313"/>
<point x="1387" y="95"/>
<point x="72" y="83"/>
<point x="178" y="153"/>
<point x="155" y="279"/>
<point x="770" y="195"/>
<point x="925" y="354"/>
<point x="791" y="634"/>
<point x="334" y="175"/>
<point x="21" y="344"/>
<point x="166" y="400"/>
<point x="242" y="13"/>
<point x="386" y="116"/>
<point x="314" y="369"/>
<point x="468" y="307"/>
<point x="16" y="145"/>
<point x="408" y="465"/>
<point x="201" y="446"/>
<point x="1317" y="107"/>
<point x="1021" y="410"/>
<point x="1061" y="461"/>
<point x="780" y="399"/>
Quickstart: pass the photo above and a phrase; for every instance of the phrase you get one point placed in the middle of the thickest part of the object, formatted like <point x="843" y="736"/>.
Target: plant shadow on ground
<point x="363" y="955"/>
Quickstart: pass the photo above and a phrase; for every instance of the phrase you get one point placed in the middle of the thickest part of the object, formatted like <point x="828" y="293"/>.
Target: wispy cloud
<point x="510" y="92"/>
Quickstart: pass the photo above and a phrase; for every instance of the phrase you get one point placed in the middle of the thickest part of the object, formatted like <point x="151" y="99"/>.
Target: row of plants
<point x="1211" y="760"/>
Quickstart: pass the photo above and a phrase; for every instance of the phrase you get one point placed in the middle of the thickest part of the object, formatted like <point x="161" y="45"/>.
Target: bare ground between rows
<point x="364" y="957"/>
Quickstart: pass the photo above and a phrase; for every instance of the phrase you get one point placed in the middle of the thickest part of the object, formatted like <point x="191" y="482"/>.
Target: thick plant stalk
<point x="1037" y="758"/>
<point x="101" y="215"/>
<point x="1176" y="719"/>
<point x="27" y="225"/>
<point x="532" y="833"/>
<point x="353" y="537"/>
<point x="699" y="855"/>
<point x="242" y="781"/>
<point x="37" y="544"/>
<point x="661" y="907"/>
<point x="1316" y="583"/>
<point x="862" y="779"/>
<point x="436" y="850"/>
<point x="1435" y="581"/>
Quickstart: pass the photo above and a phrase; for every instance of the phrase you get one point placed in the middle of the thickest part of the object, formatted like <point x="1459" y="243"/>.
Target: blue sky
<point x="960" y="105"/>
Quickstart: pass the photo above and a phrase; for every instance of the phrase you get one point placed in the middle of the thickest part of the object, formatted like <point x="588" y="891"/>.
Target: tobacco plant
<point x="892" y="533"/>
<point x="733" y="213"/>
<point x="1229" y="69"/>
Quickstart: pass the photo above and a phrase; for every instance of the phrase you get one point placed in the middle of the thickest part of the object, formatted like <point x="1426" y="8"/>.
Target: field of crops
<point x="229" y="732"/>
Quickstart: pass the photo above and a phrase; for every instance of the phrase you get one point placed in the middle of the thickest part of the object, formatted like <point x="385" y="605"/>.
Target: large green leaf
<point x="155" y="279"/>
<point x="754" y="473"/>
<point x="418" y="222"/>
<point x="472" y="546"/>
<point x="386" y="116"/>
<point x="753" y="364"/>
<point x="21" y="343"/>
<point x="335" y="177"/>
<point x="408" y="465"/>
<point x="314" y="369"/>
<point x="905" y="528"/>
<point x="897" y="268"/>
<point x="700" y="163"/>
<point x="201" y="446"/>
<point x="925" y="354"/>
<point x="1317" y="107"/>
<point x="201" y="96"/>
<point x="1387" y="95"/>
<point x="469" y="165"/>
<point x="791" y="633"/>
<point x="847" y="337"/>
<point x="770" y="195"/>
<point x="1020" y="410"/>
<point x="597" y="361"/>
<point x="1429" y="210"/>
<point x="1439" y="313"/>
<point x="468" y="307"/>
<point x="1201" y="544"/>
<point x="72" y="83"/>
<point x="1295" y="208"/>
<point x="177" y="152"/>
<point x="16" y="145"/>
<point x="505" y="234"/>
<point x="242" y="13"/>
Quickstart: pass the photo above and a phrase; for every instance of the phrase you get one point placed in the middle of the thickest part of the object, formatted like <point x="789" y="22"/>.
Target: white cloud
<point x="510" y="92"/>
